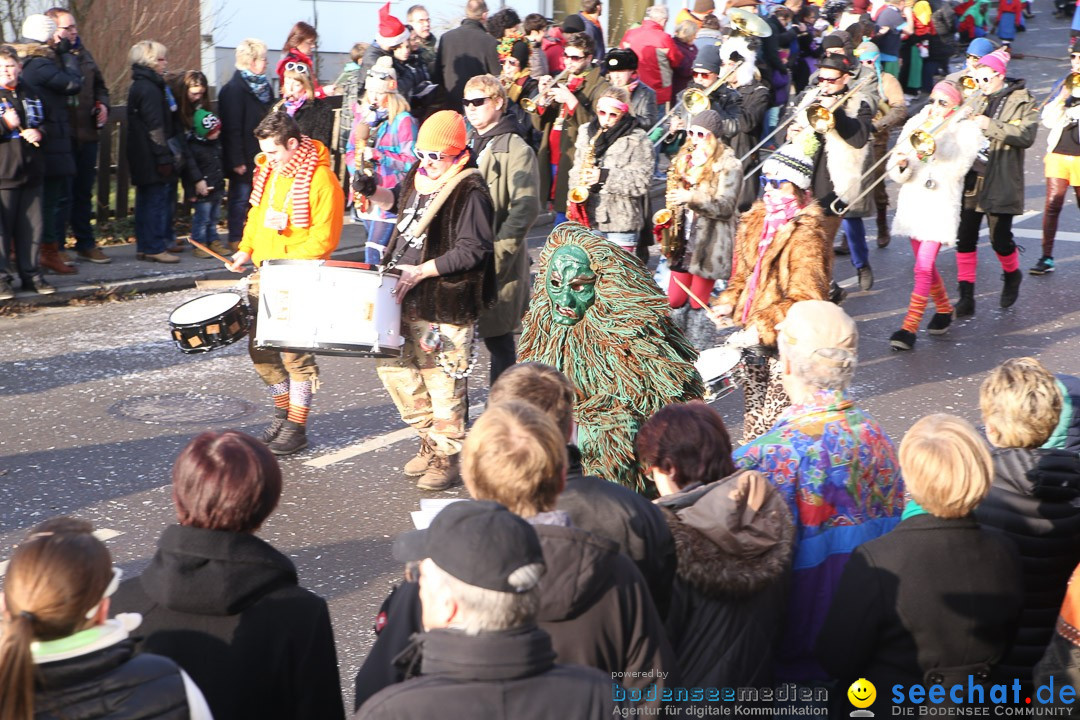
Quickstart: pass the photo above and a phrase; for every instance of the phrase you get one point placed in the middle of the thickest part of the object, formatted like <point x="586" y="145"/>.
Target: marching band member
<point x="783" y="254"/>
<point x="613" y="161"/>
<point x="742" y="105"/>
<point x="704" y="183"/>
<point x="995" y="185"/>
<point x="509" y="167"/>
<point x="842" y="153"/>
<point x="382" y="136"/>
<point x="567" y="102"/>
<point x="1062" y="161"/>
<point x="443" y="247"/>
<point x="622" y="71"/>
<point x="928" y="204"/>
<point x="297" y="209"/>
<point x="976" y="50"/>
<point x="517" y="79"/>
<point x="706" y="70"/>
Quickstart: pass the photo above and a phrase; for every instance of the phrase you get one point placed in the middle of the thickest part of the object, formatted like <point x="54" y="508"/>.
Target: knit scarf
<point x="777" y="213"/>
<point x="259" y="85"/>
<point x="301" y="169"/>
<point x="427" y="186"/>
<point x="291" y="106"/>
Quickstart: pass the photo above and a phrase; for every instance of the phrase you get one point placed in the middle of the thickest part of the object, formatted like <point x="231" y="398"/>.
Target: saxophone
<point x="667" y="220"/>
<point x="580" y="193"/>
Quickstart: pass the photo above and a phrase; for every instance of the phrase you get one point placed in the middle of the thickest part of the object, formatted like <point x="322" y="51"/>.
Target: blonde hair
<point x="619" y="93"/>
<point x="395" y="102"/>
<point x="490" y="86"/>
<point x="304" y="78"/>
<point x="686" y="31"/>
<point x="946" y="465"/>
<point x="540" y="385"/>
<point x="58" y="574"/>
<point x="147" y="52"/>
<point x="248" y="51"/>
<point x="1020" y="403"/>
<point x="515" y="455"/>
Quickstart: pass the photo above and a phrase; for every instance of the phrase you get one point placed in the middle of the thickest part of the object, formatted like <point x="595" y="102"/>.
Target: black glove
<point x="364" y="184"/>
<point x="63" y="45"/>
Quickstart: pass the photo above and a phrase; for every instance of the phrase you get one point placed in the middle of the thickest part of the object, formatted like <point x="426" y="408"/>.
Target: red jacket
<point x="649" y="42"/>
<point x="553" y="45"/>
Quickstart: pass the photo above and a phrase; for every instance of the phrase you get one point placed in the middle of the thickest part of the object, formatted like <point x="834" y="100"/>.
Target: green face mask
<point x="571" y="284"/>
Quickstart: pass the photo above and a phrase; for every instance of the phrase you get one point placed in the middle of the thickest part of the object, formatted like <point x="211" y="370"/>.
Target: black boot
<point x="883" y="236"/>
<point x="837" y="294"/>
<point x="965" y="307"/>
<point x="1011" y="289"/>
<point x="274" y="428"/>
<point x="291" y="439"/>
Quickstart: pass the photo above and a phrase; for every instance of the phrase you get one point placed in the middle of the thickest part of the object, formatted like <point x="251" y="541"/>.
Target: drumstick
<point x="205" y="249"/>
<point x="687" y="290"/>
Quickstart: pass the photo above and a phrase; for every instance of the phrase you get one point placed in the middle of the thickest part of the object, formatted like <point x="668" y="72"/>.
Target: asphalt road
<point x="99" y="403"/>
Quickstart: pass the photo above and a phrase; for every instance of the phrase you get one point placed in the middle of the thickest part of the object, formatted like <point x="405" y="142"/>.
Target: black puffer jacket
<point x="241" y="111"/>
<point x="1033" y="502"/>
<point x="228" y="609"/>
<point x="315" y="118"/>
<point x="111" y="683"/>
<point x="54" y="78"/>
<point x="149" y="127"/>
<point x="20" y="162"/>
<point x="731" y="592"/>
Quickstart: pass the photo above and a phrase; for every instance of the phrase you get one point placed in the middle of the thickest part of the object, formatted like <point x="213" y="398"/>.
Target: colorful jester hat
<point x="597" y="315"/>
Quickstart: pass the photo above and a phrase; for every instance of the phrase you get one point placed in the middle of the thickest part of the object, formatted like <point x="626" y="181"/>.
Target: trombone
<point x="1070" y="82"/>
<point x="818" y="118"/>
<point x="922" y="141"/>
<point x="694" y="100"/>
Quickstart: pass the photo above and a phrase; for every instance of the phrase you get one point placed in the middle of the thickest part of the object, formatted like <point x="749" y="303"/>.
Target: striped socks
<point x="280" y="393"/>
<point x="940" y="297"/>
<point x="916" y="309"/>
<point x="299" y="401"/>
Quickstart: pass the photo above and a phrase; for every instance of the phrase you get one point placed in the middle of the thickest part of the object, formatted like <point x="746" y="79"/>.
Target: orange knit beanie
<point x="443" y="132"/>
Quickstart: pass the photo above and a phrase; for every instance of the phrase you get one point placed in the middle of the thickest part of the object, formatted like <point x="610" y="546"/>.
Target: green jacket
<point x="1012" y="130"/>
<point x="511" y="172"/>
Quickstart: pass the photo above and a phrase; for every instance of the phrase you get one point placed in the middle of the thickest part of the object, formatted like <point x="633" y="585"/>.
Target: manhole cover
<point x="182" y="408"/>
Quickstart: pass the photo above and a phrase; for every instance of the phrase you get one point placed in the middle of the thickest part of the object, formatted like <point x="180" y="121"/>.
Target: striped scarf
<point x="301" y="168"/>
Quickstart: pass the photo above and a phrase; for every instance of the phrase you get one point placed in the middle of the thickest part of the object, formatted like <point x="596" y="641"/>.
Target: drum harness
<point x="413" y="229"/>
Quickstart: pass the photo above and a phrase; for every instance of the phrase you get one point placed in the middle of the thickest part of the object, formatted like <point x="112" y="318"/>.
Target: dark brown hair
<point x="540" y="385"/>
<point x="589" y="6"/>
<point x="300" y="32"/>
<point x="687" y="441"/>
<point x="180" y="84"/>
<point x="56" y="575"/>
<point x="226" y="481"/>
<point x="10" y="53"/>
<point x="534" y="22"/>
<point x="581" y="41"/>
<point x="277" y="126"/>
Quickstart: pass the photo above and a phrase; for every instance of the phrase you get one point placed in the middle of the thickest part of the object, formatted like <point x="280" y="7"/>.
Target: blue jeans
<point x="625" y="240"/>
<point x="239" y="193"/>
<point x="378" y="237"/>
<point x="56" y="201"/>
<point x="205" y="217"/>
<point x="153" y="217"/>
<point x="855" y="231"/>
<point x="81" y="209"/>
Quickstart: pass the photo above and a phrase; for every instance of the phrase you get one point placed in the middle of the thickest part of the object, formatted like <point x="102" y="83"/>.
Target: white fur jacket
<point x="934" y="213"/>
<point x="847" y="164"/>
<point x="715" y="208"/>
<point x="1057" y="117"/>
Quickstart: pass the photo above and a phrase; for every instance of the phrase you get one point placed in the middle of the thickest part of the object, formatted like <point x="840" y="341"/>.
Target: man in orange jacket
<point x="297" y="209"/>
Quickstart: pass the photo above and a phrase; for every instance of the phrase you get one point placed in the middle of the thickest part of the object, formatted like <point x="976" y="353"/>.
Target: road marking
<point x="102" y="534"/>
<point x="376" y="443"/>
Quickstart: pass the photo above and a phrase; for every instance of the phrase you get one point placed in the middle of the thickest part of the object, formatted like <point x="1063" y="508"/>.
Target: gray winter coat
<point x="617" y="207"/>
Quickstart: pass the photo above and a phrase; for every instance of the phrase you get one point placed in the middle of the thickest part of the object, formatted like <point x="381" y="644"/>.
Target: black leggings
<point x="1000" y="225"/>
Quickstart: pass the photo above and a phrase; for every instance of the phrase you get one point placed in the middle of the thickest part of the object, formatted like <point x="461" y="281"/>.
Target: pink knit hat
<point x="996" y="61"/>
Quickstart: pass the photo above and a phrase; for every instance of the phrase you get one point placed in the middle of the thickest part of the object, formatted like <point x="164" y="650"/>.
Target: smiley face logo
<point x="862" y="693"/>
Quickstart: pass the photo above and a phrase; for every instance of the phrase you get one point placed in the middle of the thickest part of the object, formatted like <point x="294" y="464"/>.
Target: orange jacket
<point x="293" y="243"/>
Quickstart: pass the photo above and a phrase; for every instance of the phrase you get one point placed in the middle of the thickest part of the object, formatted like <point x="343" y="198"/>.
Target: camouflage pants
<point x="427" y="398"/>
<point x="277" y="366"/>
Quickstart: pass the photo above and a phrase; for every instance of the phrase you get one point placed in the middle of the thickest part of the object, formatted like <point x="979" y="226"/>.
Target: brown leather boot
<point x="50" y="260"/>
<point x="420" y="462"/>
<point x="883" y="236"/>
<point x="441" y="474"/>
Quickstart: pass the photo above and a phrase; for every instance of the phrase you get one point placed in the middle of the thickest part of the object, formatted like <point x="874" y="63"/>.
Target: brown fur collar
<point x="715" y="572"/>
<point x="34" y="49"/>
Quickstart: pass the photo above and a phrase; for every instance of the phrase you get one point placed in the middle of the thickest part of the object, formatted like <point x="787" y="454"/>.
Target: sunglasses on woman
<point x="432" y="155"/>
<point x="774" y="183"/>
<point x="297" y="67"/>
<point x="605" y="113"/>
<point x="475" y="102"/>
<point x="699" y="134"/>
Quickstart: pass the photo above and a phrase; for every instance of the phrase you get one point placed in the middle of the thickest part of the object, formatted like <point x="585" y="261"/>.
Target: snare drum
<point x="209" y="322"/>
<point x="721" y="369"/>
<point x="328" y="308"/>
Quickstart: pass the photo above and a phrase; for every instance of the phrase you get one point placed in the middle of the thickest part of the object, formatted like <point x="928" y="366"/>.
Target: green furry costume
<point x="615" y="341"/>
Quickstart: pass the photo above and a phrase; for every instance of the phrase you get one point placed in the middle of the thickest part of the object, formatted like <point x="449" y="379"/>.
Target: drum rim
<point x="347" y="264"/>
<point x="236" y="306"/>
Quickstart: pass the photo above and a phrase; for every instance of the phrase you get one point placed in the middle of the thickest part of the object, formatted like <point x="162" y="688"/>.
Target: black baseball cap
<point x="479" y="542"/>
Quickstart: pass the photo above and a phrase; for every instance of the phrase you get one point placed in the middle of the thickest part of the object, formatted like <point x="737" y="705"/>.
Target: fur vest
<point x="797" y="265"/>
<point x="847" y="164"/>
<point x="712" y="233"/>
<point x="455" y="299"/>
<point x="933" y="214"/>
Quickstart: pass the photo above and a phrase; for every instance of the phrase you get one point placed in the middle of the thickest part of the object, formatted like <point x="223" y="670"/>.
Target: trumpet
<point x="921" y="141"/>
<point x="816" y="117"/>
<point x="1070" y="82"/>
<point x="538" y="105"/>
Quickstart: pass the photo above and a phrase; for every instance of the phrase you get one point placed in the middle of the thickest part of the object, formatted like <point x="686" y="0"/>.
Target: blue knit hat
<point x="979" y="47"/>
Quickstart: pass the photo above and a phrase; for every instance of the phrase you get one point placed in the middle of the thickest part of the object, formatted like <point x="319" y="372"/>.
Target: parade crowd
<point x="619" y="551"/>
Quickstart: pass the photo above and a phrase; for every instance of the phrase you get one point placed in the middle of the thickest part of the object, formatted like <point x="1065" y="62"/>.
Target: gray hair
<point x="823" y="369"/>
<point x="147" y="52"/>
<point x="482" y="610"/>
<point x="248" y="51"/>
<point x="657" y="13"/>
